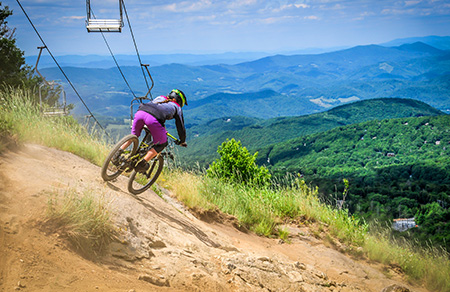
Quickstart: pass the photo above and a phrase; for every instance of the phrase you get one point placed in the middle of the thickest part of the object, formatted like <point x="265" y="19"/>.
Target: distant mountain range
<point x="230" y="58"/>
<point x="106" y="61"/>
<point x="278" y="85"/>
<point x="440" y="42"/>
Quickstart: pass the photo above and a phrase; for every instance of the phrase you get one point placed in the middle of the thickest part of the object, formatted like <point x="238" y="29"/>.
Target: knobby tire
<point x="111" y="171"/>
<point x="139" y="183"/>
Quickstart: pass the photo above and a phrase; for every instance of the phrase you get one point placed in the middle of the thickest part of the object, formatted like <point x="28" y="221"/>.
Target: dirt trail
<point x="162" y="246"/>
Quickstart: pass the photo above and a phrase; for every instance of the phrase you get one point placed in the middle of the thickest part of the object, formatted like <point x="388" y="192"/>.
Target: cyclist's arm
<point x="179" y="122"/>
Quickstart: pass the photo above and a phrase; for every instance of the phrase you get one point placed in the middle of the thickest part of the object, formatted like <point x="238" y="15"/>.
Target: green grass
<point x="186" y="186"/>
<point x="83" y="218"/>
<point x="21" y="115"/>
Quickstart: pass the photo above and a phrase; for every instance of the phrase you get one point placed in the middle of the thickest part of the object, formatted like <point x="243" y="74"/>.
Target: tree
<point x="4" y="13"/>
<point x="13" y="70"/>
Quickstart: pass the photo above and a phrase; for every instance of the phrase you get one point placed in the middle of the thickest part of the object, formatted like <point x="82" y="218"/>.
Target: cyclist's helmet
<point x="179" y="96"/>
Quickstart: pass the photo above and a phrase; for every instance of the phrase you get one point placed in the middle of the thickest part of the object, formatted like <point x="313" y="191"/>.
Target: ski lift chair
<point x="103" y="25"/>
<point x="56" y="110"/>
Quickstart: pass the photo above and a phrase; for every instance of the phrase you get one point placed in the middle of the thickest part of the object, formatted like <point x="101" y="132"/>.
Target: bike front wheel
<point x="140" y="182"/>
<point x="115" y="164"/>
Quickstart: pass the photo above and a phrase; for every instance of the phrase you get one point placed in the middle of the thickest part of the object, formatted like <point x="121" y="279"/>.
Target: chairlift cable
<point x="62" y="71"/>
<point x="135" y="45"/>
<point x="114" y="58"/>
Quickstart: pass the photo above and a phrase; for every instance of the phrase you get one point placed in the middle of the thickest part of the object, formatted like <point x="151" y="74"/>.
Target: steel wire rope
<point x="62" y="71"/>
<point x="115" y="60"/>
<point x="135" y="46"/>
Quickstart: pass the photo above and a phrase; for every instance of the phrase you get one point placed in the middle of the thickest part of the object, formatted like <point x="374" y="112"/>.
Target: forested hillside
<point x="257" y="133"/>
<point x="396" y="168"/>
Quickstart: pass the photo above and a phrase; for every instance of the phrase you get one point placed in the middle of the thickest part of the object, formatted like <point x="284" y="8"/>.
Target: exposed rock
<point x="158" y="281"/>
<point x="295" y="276"/>
<point x="300" y="266"/>
<point x="157" y="244"/>
<point x="129" y="252"/>
<point x="264" y="259"/>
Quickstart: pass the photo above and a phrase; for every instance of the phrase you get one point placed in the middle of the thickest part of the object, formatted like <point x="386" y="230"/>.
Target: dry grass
<point x="84" y="219"/>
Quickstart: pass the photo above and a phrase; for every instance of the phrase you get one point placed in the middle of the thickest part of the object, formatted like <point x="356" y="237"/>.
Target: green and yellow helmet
<point x="179" y="96"/>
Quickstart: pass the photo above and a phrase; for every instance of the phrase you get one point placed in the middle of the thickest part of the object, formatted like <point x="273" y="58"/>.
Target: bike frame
<point x="146" y="144"/>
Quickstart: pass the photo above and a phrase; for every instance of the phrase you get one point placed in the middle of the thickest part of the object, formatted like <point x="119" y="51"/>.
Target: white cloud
<point x="311" y="17"/>
<point x="187" y="6"/>
<point x="170" y="7"/>
<point x="416" y="8"/>
<point x="74" y="17"/>
<point x="272" y="20"/>
<point x="301" y="5"/>
<point x="290" y="6"/>
<point x="205" y="18"/>
<point x="363" y="15"/>
<point x="240" y="3"/>
<point x="68" y="21"/>
<point x="412" y="2"/>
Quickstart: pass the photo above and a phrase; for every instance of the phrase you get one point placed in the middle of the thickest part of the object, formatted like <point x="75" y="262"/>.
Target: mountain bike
<point x="117" y="163"/>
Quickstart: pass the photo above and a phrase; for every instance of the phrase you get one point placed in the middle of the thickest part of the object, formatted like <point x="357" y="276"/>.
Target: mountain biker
<point x="154" y="114"/>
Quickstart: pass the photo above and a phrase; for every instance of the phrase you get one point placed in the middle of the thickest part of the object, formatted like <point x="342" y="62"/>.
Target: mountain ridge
<point x="258" y="133"/>
<point x="410" y="71"/>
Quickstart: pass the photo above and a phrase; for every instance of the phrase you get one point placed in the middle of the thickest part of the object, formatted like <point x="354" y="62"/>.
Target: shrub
<point x="236" y="164"/>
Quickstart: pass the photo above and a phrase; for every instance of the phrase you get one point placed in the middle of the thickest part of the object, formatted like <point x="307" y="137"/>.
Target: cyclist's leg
<point x="150" y="154"/>
<point x="138" y="122"/>
<point x="159" y="135"/>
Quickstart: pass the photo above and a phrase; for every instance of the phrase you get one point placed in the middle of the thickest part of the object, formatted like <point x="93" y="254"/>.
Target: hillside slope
<point x="161" y="246"/>
<point x="257" y="134"/>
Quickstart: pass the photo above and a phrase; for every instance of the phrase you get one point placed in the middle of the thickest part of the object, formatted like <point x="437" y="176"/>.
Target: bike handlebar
<point x="171" y="136"/>
<point x="176" y="141"/>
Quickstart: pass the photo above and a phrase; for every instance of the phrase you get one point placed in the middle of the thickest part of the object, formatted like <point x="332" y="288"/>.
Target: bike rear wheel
<point x="140" y="182"/>
<point x="111" y="168"/>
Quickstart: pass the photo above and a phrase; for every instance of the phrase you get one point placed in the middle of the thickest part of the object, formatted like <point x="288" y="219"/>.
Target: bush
<point x="236" y="164"/>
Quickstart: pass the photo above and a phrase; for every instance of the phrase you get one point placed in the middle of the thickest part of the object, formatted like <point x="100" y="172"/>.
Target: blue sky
<point x="222" y="26"/>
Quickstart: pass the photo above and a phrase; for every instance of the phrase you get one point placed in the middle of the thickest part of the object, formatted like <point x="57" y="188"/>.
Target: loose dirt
<point x="160" y="246"/>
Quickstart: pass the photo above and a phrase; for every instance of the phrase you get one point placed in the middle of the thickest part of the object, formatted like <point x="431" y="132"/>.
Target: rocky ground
<point x="160" y="246"/>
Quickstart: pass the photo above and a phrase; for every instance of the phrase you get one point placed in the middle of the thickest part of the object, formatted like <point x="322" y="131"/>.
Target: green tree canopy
<point x="13" y="70"/>
<point x="238" y="165"/>
<point x="4" y="13"/>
